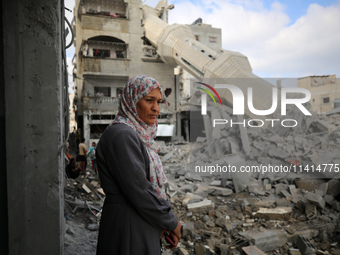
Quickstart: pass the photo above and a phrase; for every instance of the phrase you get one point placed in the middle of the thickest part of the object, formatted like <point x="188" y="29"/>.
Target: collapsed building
<point x="111" y="46"/>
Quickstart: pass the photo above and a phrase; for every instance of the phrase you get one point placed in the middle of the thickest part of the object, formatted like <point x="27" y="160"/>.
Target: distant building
<point x="325" y="92"/>
<point x="73" y="123"/>
<point x="207" y="35"/>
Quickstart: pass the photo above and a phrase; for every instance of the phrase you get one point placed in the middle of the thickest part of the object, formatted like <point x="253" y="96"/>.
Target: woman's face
<point x="148" y="107"/>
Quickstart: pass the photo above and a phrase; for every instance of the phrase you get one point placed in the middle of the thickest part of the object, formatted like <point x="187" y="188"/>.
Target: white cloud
<point x="274" y="47"/>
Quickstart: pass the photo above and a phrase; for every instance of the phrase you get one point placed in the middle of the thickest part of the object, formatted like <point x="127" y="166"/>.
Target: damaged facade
<point x="325" y="92"/>
<point x="110" y="48"/>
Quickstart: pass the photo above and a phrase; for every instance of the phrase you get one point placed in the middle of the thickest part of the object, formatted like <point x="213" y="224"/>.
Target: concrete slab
<point x="253" y="250"/>
<point x="316" y="199"/>
<point x="267" y="240"/>
<point x="278" y="213"/>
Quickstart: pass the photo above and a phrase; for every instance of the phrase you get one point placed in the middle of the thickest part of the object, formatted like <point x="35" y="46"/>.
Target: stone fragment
<point x="190" y="198"/>
<point x="278" y="213"/>
<point x="188" y="229"/>
<point x="215" y="183"/>
<point x="305" y="246"/>
<point x="333" y="188"/>
<point x="70" y="231"/>
<point x="222" y="222"/>
<point x="328" y="199"/>
<point x="267" y="240"/>
<point x="316" y="199"/>
<point x="92" y="227"/>
<point x="86" y="188"/>
<point x="267" y="187"/>
<point x="206" y="218"/>
<point x="210" y="224"/>
<point x="252" y="250"/>
<point x="294" y="252"/>
<point x="199" y="249"/>
<point x="217" y="191"/>
<point x="203" y="206"/>
<point x="201" y="190"/>
<point x="186" y="188"/>
<point x="310" y="211"/>
<point x="182" y="251"/>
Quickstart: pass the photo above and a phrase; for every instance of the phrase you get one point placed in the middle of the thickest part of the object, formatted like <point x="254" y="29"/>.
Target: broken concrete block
<point x="305" y="246"/>
<point x="328" y="199"/>
<point x="222" y="222"/>
<point x="336" y="205"/>
<point x="294" y="252"/>
<point x="193" y="177"/>
<point x="281" y="202"/>
<point x="215" y="183"/>
<point x="168" y="156"/>
<point x="191" y="198"/>
<point x="186" y="188"/>
<point x="92" y="227"/>
<point x="316" y="199"/>
<point x="311" y="211"/>
<point x="201" y="190"/>
<point x="203" y="206"/>
<point x="182" y="251"/>
<point x="217" y="191"/>
<point x="188" y="229"/>
<point x="267" y="187"/>
<point x="86" y="188"/>
<point x="308" y="184"/>
<point x="267" y="240"/>
<point x="294" y="192"/>
<point x="333" y="187"/>
<point x="278" y="213"/>
<point x="286" y="194"/>
<point x="253" y="250"/>
<point x="199" y="249"/>
<point x="171" y="189"/>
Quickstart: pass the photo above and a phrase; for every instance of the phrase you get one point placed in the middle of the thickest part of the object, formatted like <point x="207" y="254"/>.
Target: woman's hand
<point x="175" y="239"/>
<point x="177" y="231"/>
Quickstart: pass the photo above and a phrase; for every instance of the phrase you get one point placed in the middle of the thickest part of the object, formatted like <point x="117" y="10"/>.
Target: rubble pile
<point x="294" y="212"/>
<point x="83" y="205"/>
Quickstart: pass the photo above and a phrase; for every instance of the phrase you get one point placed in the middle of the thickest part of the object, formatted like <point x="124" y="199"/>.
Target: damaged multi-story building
<point x="110" y="47"/>
<point x="325" y="92"/>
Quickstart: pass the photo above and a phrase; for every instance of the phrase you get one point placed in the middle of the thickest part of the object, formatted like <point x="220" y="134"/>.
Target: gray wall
<point x="3" y="176"/>
<point x="32" y="65"/>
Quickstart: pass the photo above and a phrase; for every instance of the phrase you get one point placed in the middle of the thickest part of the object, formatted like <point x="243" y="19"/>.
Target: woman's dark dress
<point x="133" y="216"/>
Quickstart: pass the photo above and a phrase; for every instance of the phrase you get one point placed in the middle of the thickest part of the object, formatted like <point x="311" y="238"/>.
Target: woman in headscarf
<point x="136" y="211"/>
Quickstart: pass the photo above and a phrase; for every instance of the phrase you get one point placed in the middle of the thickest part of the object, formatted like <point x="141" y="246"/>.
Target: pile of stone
<point x="294" y="212"/>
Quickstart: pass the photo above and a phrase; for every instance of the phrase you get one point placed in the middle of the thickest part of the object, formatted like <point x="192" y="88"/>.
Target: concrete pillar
<point x="33" y="82"/>
<point x="3" y="175"/>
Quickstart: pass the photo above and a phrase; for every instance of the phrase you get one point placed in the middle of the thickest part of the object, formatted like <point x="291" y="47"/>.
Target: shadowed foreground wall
<point x="32" y="67"/>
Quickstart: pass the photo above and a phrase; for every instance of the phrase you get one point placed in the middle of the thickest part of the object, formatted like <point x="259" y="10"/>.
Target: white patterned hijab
<point x="134" y="89"/>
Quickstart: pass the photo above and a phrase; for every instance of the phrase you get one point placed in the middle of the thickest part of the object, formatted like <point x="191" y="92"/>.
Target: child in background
<point x="92" y="153"/>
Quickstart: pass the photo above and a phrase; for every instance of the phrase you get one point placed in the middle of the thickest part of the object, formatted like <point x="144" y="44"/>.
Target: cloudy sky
<point x="285" y="38"/>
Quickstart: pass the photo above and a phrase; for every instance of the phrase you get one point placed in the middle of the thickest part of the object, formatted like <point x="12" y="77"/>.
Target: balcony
<point x="111" y="9"/>
<point x="105" y="66"/>
<point x="101" y="103"/>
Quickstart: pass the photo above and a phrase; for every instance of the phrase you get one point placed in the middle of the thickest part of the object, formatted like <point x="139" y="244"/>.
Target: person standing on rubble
<point x="136" y="211"/>
<point x="82" y="156"/>
<point x="92" y="153"/>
